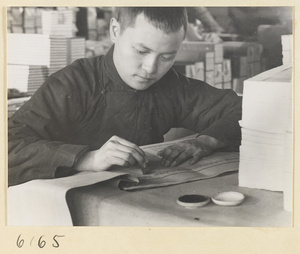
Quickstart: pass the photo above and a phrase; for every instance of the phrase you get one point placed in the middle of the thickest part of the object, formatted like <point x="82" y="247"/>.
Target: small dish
<point x="229" y="198"/>
<point x="193" y="201"/>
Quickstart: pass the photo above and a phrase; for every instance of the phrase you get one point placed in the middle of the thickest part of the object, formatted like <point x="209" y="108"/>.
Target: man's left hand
<point x="194" y="150"/>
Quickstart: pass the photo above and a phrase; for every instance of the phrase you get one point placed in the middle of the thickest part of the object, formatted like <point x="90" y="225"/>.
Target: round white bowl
<point x="229" y="198"/>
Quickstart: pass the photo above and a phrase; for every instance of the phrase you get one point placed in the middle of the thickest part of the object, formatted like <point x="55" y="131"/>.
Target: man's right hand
<point x="116" y="151"/>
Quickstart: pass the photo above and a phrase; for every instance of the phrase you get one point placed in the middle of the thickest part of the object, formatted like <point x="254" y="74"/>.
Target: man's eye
<point x="141" y="52"/>
<point x="166" y="58"/>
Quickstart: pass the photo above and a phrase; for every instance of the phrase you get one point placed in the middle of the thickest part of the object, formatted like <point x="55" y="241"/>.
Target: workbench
<point x="104" y="204"/>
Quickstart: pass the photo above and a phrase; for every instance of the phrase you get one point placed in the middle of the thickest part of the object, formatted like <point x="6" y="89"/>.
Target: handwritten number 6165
<point x="41" y="242"/>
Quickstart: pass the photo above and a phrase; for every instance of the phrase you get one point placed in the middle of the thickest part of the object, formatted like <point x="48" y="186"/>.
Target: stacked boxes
<point x="227" y="78"/>
<point x="266" y="130"/>
<point x="204" y="61"/>
<point x="245" y="61"/>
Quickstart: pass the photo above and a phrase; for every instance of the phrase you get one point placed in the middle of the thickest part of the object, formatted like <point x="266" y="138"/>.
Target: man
<point x="96" y="112"/>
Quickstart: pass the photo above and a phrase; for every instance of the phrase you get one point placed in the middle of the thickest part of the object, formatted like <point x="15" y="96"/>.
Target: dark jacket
<point x="81" y="106"/>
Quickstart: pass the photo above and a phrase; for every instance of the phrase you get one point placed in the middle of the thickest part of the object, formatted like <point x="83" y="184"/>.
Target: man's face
<point x="143" y="53"/>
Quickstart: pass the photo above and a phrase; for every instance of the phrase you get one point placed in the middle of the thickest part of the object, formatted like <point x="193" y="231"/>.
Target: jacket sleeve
<point x="209" y="111"/>
<point x="39" y="133"/>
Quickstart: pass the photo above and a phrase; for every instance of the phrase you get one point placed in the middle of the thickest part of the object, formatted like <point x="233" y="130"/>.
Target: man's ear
<point x="114" y="29"/>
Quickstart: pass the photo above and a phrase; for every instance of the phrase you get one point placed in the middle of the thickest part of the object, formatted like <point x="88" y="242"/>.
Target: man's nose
<point x="150" y="64"/>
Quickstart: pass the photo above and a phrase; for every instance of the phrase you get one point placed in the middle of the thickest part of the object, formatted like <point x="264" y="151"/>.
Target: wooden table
<point x="104" y="204"/>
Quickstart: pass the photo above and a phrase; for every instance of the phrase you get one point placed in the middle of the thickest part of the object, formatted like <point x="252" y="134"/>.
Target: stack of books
<point x="17" y="77"/>
<point x="26" y="78"/>
<point x="76" y="49"/>
<point x="28" y="49"/>
<point x="58" y="53"/>
<point x="266" y="123"/>
<point x="55" y="52"/>
<point x="57" y="22"/>
<point x="37" y="76"/>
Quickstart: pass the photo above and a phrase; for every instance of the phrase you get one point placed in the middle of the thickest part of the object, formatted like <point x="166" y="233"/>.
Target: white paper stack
<point x="28" y="49"/>
<point x="266" y="119"/>
<point x="58" y="53"/>
<point x="26" y="78"/>
<point x="37" y="76"/>
<point x="57" y="22"/>
<point x="17" y="77"/>
<point x="76" y="48"/>
<point x="287" y="49"/>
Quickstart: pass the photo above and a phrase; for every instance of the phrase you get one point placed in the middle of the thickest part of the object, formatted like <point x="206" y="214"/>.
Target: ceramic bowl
<point x="193" y="201"/>
<point x="229" y="198"/>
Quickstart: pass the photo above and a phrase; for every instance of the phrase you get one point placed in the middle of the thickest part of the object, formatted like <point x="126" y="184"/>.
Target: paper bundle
<point x="28" y="49"/>
<point x="37" y="76"/>
<point x="57" y="22"/>
<point x="266" y="120"/>
<point x="55" y="52"/>
<point x="76" y="49"/>
<point x="58" y="53"/>
<point x="26" y="78"/>
<point x="287" y="49"/>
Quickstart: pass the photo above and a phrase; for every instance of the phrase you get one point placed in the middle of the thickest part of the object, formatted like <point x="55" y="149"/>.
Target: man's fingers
<point x="195" y="159"/>
<point x="121" y="157"/>
<point x="170" y="156"/>
<point x="199" y="155"/>
<point x="181" y="158"/>
<point x="129" y="151"/>
<point x="129" y="144"/>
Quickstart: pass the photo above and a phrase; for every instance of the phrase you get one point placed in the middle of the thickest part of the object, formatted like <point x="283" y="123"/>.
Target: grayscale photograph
<point x="150" y="116"/>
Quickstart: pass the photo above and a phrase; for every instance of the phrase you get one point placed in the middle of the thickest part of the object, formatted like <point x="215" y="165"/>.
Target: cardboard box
<point x="219" y="85"/>
<point x="227" y="70"/>
<point x="191" y="51"/>
<point x="218" y="73"/>
<point x="209" y="78"/>
<point x="227" y="85"/>
<point x="240" y="66"/>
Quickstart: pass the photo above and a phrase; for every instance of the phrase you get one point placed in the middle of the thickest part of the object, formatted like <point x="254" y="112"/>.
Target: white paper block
<point x="28" y="49"/>
<point x="260" y="174"/>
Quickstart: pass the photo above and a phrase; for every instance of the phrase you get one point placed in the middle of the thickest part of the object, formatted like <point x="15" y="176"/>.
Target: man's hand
<point x="194" y="149"/>
<point x="116" y="151"/>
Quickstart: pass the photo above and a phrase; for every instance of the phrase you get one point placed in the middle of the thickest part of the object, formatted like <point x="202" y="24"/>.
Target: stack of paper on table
<point x="17" y="77"/>
<point x="266" y="122"/>
<point x="287" y="49"/>
<point x="37" y="76"/>
<point x="57" y="22"/>
<point x="76" y="49"/>
<point x="28" y="49"/>
<point x="26" y="78"/>
<point x="54" y="52"/>
<point x="58" y="53"/>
